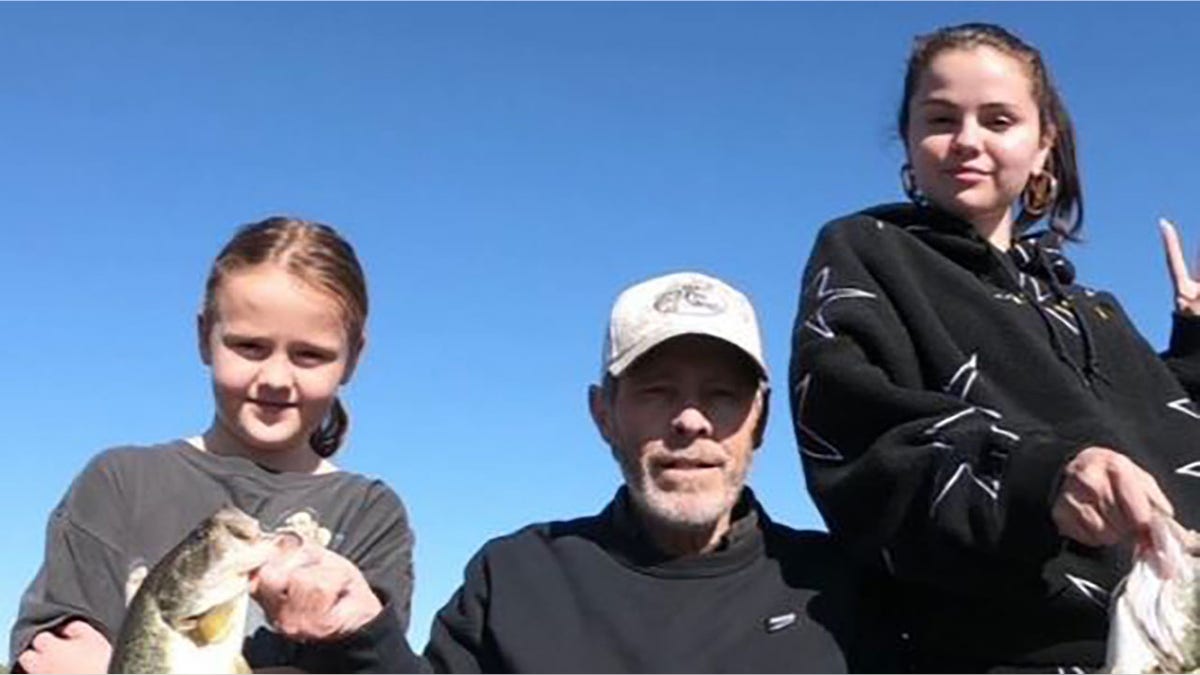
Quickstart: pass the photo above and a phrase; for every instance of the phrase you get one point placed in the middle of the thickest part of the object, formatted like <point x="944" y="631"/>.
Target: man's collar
<point x="636" y="545"/>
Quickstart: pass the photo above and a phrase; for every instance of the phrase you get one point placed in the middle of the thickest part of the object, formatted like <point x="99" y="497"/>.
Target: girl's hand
<point x="75" y="647"/>
<point x="1187" y="288"/>
<point x="1106" y="498"/>
<point x="311" y="594"/>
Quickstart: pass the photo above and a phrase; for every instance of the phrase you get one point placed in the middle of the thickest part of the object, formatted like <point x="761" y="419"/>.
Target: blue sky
<point x="503" y="170"/>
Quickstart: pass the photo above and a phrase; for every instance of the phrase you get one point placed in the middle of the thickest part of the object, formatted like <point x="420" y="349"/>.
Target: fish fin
<point x="136" y="576"/>
<point x="212" y="626"/>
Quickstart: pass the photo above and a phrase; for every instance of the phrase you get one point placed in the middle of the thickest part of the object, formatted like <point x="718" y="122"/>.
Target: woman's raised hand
<point x="1187" y="288"/>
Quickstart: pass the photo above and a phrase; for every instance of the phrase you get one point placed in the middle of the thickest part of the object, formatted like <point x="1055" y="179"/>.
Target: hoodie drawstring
<point x="1038" y="255"/>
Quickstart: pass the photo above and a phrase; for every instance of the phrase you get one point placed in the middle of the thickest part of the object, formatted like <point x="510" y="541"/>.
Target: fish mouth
<point x="258" y="552"/>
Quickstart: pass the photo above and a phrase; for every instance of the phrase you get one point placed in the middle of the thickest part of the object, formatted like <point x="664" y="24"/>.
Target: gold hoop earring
<point x="1039" y="194"/>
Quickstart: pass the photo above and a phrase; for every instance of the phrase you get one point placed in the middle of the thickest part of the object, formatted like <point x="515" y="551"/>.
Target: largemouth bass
<point x="189" y="614"/>
<point x="1155" y="613"/>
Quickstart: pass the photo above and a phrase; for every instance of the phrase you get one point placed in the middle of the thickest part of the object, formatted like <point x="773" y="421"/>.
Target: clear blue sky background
<point x="504" y="170"/>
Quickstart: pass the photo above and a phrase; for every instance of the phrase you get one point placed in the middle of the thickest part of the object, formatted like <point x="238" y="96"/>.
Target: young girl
<point x="281" y="330"/>
<point x="991" y="433"/>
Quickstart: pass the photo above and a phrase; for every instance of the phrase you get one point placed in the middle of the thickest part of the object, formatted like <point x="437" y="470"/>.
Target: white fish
<point x="1155" y="613"/>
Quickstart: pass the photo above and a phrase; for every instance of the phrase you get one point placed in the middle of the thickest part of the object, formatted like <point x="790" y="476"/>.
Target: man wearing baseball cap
<point x="683" y="570"/>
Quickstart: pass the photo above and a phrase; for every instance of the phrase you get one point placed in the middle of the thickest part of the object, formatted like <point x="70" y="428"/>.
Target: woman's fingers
<point x="1132" y="498"/>
<point x="1081" y="522"/>
<point x="1176" y="262"/>
<point x="1106" y="497"/>
<point x="1158" y="499"/>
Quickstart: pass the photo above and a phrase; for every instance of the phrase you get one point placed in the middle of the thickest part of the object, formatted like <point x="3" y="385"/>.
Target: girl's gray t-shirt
<point x="131" y="505"/>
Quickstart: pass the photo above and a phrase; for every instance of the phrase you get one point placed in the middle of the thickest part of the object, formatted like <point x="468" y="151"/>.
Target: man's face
<point x="683" y="426"/>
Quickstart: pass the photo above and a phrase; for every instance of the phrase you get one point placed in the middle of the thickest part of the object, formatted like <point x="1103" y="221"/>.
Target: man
<point x="682" y="571"/>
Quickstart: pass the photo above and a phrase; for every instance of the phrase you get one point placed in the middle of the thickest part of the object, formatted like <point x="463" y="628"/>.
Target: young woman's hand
<point x="1187" y="288"/>
<point x="311" y="594"/>
<point x="1106" y="498"/>
<point x="75" y="647"/>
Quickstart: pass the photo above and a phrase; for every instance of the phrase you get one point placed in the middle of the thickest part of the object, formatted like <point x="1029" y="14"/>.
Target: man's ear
<point x="760" y="426"/>
<point x="601" y="414"/>
<point x="202" y="330"/>
<point x="355" y="355"/>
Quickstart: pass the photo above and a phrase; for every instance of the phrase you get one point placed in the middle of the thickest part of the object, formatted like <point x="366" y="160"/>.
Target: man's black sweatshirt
<point x="592" y="595"/>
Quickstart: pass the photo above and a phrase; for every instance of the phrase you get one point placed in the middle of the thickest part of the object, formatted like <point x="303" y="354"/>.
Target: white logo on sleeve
<point x="778" y="623"/>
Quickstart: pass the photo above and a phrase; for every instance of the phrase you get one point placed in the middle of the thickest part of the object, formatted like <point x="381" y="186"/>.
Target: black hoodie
<point x="938" y="387"/>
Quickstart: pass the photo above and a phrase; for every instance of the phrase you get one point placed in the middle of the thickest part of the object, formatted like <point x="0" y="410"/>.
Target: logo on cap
<point x="693" y="298"/>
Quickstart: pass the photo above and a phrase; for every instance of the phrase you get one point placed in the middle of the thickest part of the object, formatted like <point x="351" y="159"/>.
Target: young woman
<point x="992" y="433"/>
<point x="281" y="330"/>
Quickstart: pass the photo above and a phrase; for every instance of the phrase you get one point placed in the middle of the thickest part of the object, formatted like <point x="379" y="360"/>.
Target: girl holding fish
<point x="985" y="430"/>
<point x="281" y="330"/>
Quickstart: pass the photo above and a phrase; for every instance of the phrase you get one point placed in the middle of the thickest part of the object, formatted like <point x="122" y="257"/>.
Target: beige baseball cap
<point x="683" y="303"/>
